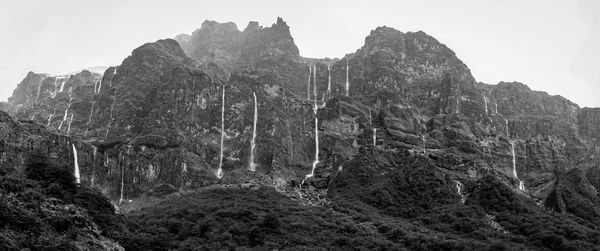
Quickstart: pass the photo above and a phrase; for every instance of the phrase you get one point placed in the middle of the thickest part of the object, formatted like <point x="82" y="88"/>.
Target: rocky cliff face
<point x="155" y="119"/>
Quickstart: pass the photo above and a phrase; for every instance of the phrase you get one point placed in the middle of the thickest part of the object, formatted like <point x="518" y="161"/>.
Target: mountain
<point x="395" y="136"/>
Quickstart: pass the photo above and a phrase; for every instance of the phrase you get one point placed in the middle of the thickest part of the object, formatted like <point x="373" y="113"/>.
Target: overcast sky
<point x="553" y="46"/>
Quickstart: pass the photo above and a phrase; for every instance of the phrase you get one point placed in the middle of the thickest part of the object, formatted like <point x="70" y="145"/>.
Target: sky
<point x="550" y="45"/>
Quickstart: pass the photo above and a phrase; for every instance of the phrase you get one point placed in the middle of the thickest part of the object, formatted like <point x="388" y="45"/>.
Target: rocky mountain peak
<point x="213" y="26"/>
<point x="252" y="26"/>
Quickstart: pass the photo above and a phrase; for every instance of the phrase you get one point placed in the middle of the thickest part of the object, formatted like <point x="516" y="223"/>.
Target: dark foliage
<point x="538" y="227"/>
<point x="48" y="211"/>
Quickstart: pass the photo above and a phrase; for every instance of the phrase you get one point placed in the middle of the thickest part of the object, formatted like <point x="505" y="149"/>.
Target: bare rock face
<point x="155" y="119"/>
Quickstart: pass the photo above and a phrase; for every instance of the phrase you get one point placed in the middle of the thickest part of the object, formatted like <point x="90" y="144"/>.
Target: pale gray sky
<point x="553" y="46"/>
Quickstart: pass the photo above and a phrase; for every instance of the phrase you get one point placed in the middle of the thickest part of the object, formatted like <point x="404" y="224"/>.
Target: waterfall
<point x="99" y="85"/>
<point x="55" y="87"/>
<point x="62" y="86"/>
<point x="308" y="86"/>
<point x="459" y="188"/>
<point x="328" y="81"/>
<point x="514" y="164"/>
<point x="370" y="117"/>
<point x="110" y="115"/>
<point x="485" y="101"/>
<point x="68" y="107"/>
<point x="424" y="143"/>
<point x="94" y="153"/>
<point x="51" y="116"/>
<point x="39" y="89"/>
<point x="316" y="160"/>
<point x="374" y="136"/>
<point x="70" y="121"/>
<point x="506" y="126"/>
<point x="347" y="81"/>
<point x="87" y="125"/>
<point x="122" y="183"/>
<point x="253" y="142"/>
<point x="220" y="170"/>
<point x="76" y="165"/>
<point x="496" y="106"/>
<point x="315" y="83"/>
<point x="111" y="77"/>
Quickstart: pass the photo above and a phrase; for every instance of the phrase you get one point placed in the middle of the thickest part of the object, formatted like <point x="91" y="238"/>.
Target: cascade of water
<point x="253" y="142"/>
<point x="51" y="116"/>
<point x="39" y="88"/>
<point x="76" y="165"/>
<point x="111" y="77"/>
<point x="514" y="163"/>
<point x="370" y="117"/>
<point x="459" y="188"/>
<point x="87" y="125"/>
<point x="495" y="106"/>
<point x="110" y="113"/>
<point x="70" y="121"/>
<point x="122" y="183"/>
<point x="374" y="136"/>
<point x="316" y="160"/>
<point x="94" y="153"/>
<point x="315" y="83"/>
<point x="220" y="170"/>
<point x="424" y="143"/>
<point x="328" y="81"/>
<point x="347" y="80"/>
<point x="68" y="107"/>
<point x="62" y="85"/>
<point x="308" y="85"/>
<point x="55" y="92"/>
<point x="99" y="85"/>
<point x="485" y="101"/>
<point x="506" y="127"/>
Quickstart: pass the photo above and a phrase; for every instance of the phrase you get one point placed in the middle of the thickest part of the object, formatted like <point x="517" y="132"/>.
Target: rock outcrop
<point x="155" y="119"/>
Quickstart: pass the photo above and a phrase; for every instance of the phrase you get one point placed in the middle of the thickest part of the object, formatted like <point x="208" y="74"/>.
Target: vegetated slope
<point x="380" y="201"/>
<point x="45" y="210"/>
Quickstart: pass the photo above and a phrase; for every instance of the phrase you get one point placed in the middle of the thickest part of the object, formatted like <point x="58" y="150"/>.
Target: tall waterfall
<point x="220" y="170"/>
<point x="328" y="81"/>
<point x="87" y="125"/>
<point x="459" y="191"/>
<point x="122" y="183"/>
<point x="39" y="89"/>
<point x="55" y="87"/>
<point x="308" y="84"/>
<point x="315" y="83"/>
<point x="347" y="80"/>
<point x="68" y="107"/>
<point x="506" y="126"/>
<point x="110" y="113"/>
<point x="99" y="85"/>
<point x="485" y="102"/>
<point x="253" y="142"/>
<point x="51" y="116"/>
<point x="514" y="163"/>
<point x="70" y="122"/>
<point x="374" y="136"/>
<point x="62" y="86"/>
<point x="111" y="77"/>
<point x="94" y="153"/>
<point x="424" y="143"/>
<point x="76" y="165"/>
<point x="316" y="160"/>
<point x="496" y="106"/>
